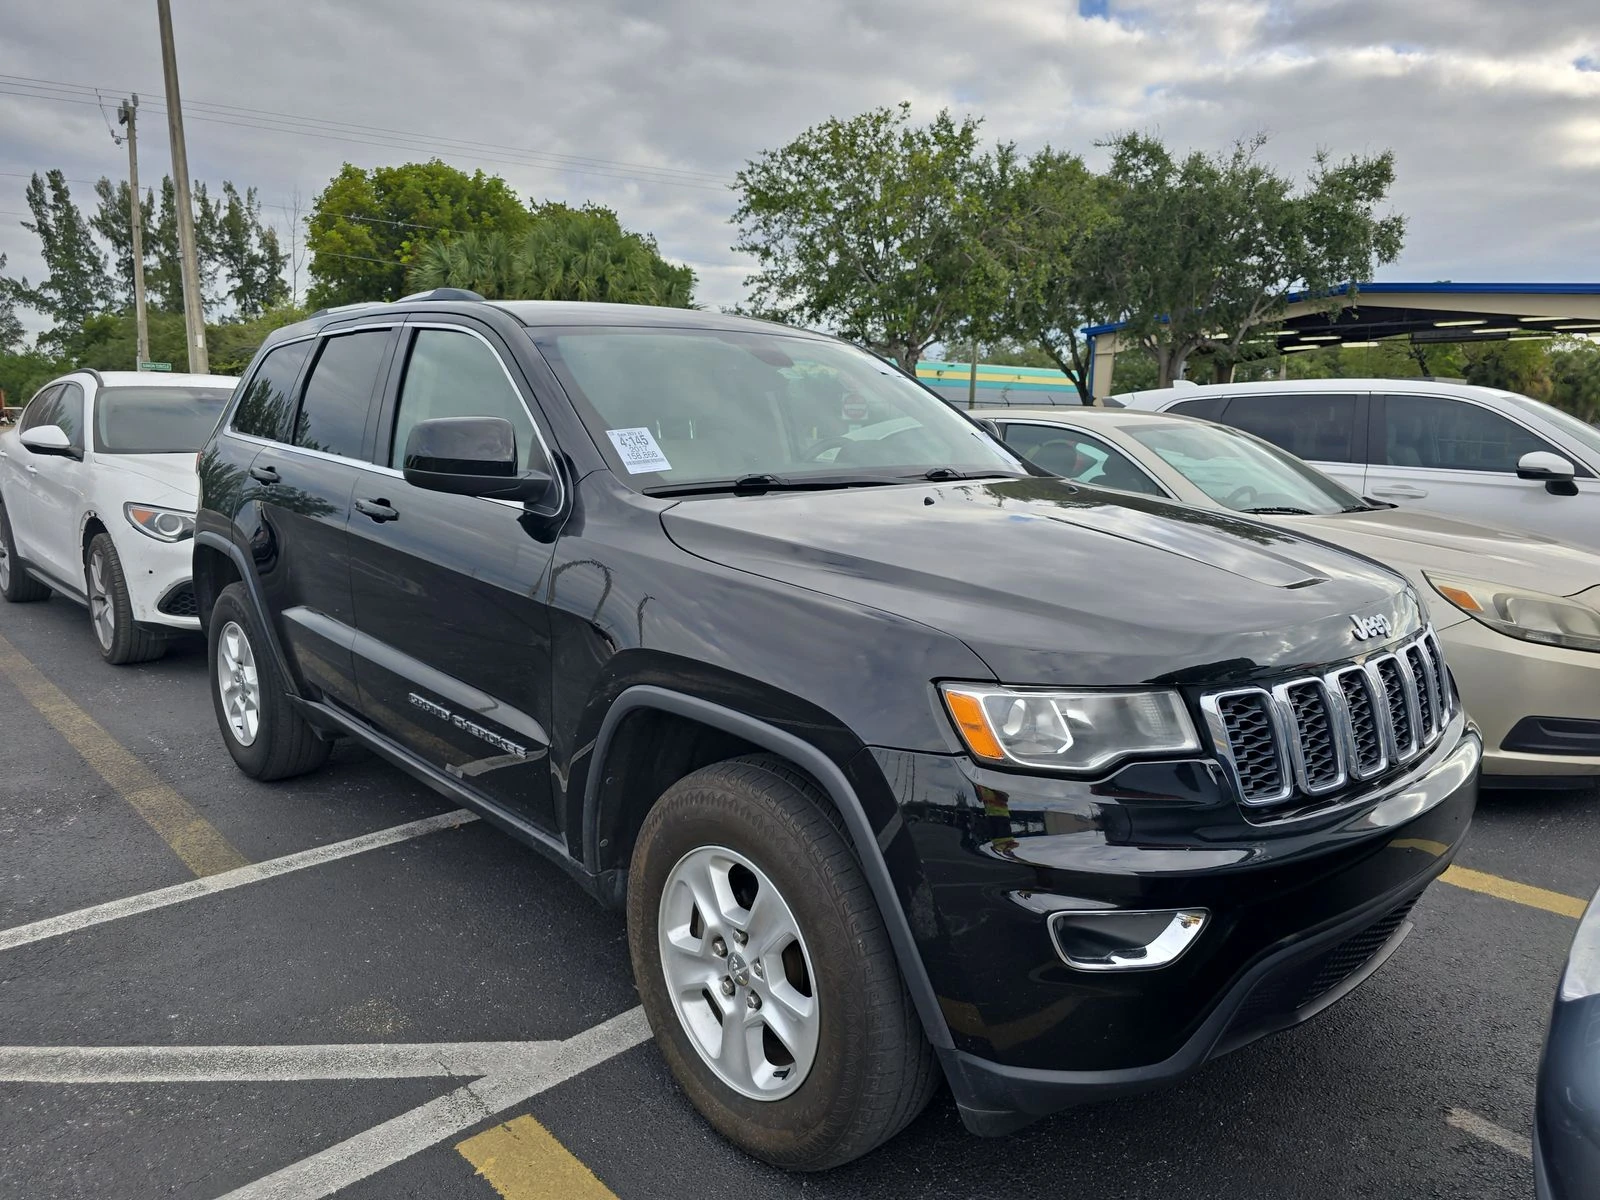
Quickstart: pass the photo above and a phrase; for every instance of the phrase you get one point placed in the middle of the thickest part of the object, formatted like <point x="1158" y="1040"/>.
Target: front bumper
<point x="1566" y="1125"/>
<point x="1503" y="680"/>
<point x="1302" y="912"/>
<point x="159" y="577"/>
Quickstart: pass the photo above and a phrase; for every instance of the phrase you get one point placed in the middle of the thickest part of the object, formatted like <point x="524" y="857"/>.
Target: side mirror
<point x="470" y="456"/>
<point x="992" y="428"/>
<point x="48" y="439"/>
<point x="1555" y="472"/>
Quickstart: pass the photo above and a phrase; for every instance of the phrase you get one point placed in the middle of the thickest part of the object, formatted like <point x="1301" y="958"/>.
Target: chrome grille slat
<point x="1312" y="736"/>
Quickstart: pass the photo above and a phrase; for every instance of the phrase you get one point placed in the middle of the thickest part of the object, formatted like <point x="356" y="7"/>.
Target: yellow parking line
<point x="523" y="1161"/>
<point x="193" y="839"/>
<point x="1517" y="893"/>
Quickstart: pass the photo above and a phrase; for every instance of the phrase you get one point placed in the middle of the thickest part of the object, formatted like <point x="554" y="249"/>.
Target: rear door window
<point x="1318" y="426"/>
<point x="1208" y="408"/>
<point x="334" y="407"/>
<point x="266" y="409"/>
<point x="1451" y="435"/>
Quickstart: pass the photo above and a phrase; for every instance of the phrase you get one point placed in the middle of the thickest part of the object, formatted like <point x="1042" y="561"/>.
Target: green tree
<point x="247" y="254"/>
<point x="565" y="254"/>
<point x="232" y="344"/>
<point x="1044" y="215"/>
<point x="113" y="221"/>
<point x="872" y="226"/>
<point x="76" y="286"/>
<point x="1575" y="377"/>
<point x="1011" y="352"/>
<point x="1514" y="366"/>
<point x="10" y="323"/>
<point x="24" y="373"/>
<point x="1203" y="251"/>
<point x="366" y="227"/>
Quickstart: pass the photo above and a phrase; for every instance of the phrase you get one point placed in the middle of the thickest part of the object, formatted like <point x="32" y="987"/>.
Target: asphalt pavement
<point x="393" y="1000"/>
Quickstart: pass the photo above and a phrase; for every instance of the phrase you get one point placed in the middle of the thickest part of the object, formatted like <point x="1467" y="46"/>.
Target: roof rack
<point x="339" y="308"/>
<point x="443" y="293"/>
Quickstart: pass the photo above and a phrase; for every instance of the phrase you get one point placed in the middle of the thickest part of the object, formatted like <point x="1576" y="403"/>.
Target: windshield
<point x="1242" y="472"/>
<point x="156" y="420"/>
<point x="1580" y="431"/>
<point x="673" y="407"/>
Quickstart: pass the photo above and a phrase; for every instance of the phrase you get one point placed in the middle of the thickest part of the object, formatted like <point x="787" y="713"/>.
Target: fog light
<point x="1109" y="940"/>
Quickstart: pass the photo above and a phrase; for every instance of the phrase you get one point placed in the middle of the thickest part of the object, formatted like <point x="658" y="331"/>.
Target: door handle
<point x="378" y="510"/>
<point x="1400" y="491"/>
<point x="264" y="474"/>
<point x="32" y="470"/>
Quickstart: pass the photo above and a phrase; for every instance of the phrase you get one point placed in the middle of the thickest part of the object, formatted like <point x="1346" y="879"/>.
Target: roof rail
<point x="443" y="293"/>
<point x="339" y="308"/>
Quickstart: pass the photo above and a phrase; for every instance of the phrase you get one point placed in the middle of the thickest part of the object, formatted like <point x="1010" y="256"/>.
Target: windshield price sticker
<point x="638" y="450"/>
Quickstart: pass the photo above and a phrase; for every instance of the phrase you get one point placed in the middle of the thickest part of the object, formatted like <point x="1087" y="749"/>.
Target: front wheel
<point x="111" y="610"/>
<point x="262" y="730"/>
<point x="766" y="972"/>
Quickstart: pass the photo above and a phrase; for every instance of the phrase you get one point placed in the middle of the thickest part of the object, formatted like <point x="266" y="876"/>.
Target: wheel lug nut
<point x="727" y="986"/>
<point x="740" y="936"/>
<point x="758" y="970"/>
<point x="719" y="947"/>
<point x="753" y="1000"/>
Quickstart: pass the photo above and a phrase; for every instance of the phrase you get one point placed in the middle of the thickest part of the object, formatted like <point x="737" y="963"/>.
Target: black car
<point x="1566" y="1128"/>
<point x="906" y="762"/>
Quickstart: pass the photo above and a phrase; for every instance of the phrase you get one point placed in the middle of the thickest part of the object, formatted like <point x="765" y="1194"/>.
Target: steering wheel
<point x="1238" y="496"/>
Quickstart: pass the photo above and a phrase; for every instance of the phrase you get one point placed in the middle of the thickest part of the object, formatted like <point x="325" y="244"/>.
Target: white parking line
<point x="1488" y="1131"/>
<point x="115" y="910"/>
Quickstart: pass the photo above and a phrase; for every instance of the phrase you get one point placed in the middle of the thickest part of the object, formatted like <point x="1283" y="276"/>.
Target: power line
<point x="386" y="138"/>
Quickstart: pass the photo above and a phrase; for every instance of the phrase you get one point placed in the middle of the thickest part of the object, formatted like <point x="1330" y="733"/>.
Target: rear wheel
<point x="263" y="732"/>
<point x="766" y="972"/>
<point x="111" y="611"/>
<point x="16" y="585"/>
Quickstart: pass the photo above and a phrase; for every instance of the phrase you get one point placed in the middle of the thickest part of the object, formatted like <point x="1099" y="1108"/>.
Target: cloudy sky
<point x="650" y="106"/>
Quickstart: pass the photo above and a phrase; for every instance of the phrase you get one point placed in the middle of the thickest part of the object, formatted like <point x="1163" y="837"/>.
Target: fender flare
<point x="212" y="540"/>
<point x="827" y="773"/>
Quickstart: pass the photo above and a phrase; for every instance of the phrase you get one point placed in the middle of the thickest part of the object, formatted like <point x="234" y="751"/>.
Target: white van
<point x="1472" y="452"/>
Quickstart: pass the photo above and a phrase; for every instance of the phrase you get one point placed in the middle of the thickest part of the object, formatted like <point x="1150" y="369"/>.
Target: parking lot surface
<point x="343" y="985"/>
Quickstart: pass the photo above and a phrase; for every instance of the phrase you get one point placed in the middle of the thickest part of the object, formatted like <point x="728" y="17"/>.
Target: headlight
<point x="1582" y="979"/>
<point x="163" y="524"/>
<point x="1522" y="613"/>
<point x="1068" y="731"/>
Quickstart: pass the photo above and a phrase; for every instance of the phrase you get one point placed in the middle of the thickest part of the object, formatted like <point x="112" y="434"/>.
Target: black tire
<point x="283" y="744"/>
<point x="18" y="586"/>
<point x="121" y="640"/>
<point x="873" y="1069"/>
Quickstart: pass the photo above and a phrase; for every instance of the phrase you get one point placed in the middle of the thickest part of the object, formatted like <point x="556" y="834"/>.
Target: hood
<point x="1413" y="542"/>
<point x="172" y="476"/>
<point x="1053" y="584"/>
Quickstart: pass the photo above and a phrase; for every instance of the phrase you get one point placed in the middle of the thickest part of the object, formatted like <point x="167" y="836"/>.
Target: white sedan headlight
<point x="163" y="524"/>
<point x="1068" y="731"/>
<point x="1524" y="613"/>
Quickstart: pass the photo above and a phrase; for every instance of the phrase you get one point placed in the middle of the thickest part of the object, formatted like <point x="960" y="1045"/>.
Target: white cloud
<point x="1490" y="117"/>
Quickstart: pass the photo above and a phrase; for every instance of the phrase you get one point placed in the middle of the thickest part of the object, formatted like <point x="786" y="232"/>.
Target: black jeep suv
<point x="906" y="762"/>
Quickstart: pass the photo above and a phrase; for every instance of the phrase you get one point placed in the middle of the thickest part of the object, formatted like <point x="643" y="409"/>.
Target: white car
<point x="97" y="501"/>
<point x="1450" y="448"/>
<point x="1519" y="615"/>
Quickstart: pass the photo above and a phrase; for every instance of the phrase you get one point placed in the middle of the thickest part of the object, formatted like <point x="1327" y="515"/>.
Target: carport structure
<point x="1416" y="312"/>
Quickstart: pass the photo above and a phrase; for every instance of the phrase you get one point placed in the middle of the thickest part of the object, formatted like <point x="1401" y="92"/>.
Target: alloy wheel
<point x="101" y="609"/>
<point x="239" y="683"/>
<point x="738" y="972"/>
<point x="5" y="561"/>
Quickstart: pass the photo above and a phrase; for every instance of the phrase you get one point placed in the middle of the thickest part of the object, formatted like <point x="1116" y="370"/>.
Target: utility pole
<point x="194" y="313"/>
<point x="972" y="376"/>
<point x="127" y="114"/>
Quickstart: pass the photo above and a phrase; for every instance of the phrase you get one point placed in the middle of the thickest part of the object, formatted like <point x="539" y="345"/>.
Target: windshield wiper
<point x="946" y="474"/>
<point x="1281" y="509"/>
<point x="751" y="485"/>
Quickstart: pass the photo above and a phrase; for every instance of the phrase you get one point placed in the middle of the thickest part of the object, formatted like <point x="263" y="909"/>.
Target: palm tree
<point x="483" y="262"/>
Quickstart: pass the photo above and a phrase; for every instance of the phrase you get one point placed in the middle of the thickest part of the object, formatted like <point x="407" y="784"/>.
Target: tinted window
<point x="155" y="420"/>
<point x="41" y="409"/>
<point x="1452" y="435"/>
<point x="267" y="405"/>
<point x="1077" y="456"/>
<point x="1580" y="431"/>
<point x="1209" y="407"/>
<point x="69" y="414"/>
<point x="333" y="410"/>
<point x="453" y="374"/>
<point x="1311" y="425"/>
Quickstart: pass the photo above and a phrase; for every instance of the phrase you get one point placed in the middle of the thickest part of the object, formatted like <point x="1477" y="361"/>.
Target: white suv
<point x="97" y="500"/>
<point x="1476" y="453"/>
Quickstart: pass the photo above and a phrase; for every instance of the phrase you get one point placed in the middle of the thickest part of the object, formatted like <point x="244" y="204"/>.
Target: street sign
<point x="155" y="366"/>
